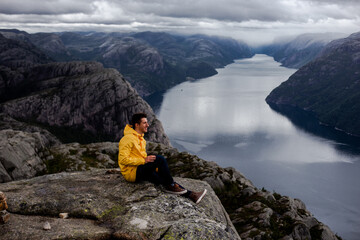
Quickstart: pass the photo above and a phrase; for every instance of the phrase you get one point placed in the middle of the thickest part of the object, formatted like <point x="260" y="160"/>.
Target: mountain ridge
<point x="150" y="61"/>
<point x="300" y="50"/>
<point x="327" y="87"/>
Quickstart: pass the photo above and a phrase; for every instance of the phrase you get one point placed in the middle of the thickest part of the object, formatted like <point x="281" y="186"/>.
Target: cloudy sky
<point x="254" y="21"/>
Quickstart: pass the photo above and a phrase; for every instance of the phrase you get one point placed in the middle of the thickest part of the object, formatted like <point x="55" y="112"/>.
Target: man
<point x="136" y="165"/>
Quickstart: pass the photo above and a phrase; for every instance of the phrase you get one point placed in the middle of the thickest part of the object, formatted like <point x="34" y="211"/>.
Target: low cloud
<point x="253" y="21"/>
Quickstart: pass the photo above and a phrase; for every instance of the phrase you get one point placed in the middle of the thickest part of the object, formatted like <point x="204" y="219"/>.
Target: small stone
<point x="3" y="204"/>
<point x="113" y="171"/>
<point x="46" y="226"/>
<point x="2" y="196"/>
<point x="64" y="215"/>
<point x="4" y="217"/>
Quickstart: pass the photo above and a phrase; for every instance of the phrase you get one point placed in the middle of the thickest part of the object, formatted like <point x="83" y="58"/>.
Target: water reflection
<point x="225" y="119"/>
<point x="345" y="143"/>
<point x="196" y="114"/>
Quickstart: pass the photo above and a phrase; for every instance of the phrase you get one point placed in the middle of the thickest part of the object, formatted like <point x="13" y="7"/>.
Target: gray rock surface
<point x="24" y="149"/>
<point x="79" y="157"/>
<point x="20" y="154"/>
<point x="7" y="122"/>
<point x="28" y="154"/>
<point x="255" y="213"/>
<point x="102" y="205"/>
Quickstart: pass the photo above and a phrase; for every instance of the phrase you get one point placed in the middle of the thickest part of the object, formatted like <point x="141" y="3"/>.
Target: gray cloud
<point x="255" y="21"/>
<point x="230" y="10"/>
<point x="48" y="7"/>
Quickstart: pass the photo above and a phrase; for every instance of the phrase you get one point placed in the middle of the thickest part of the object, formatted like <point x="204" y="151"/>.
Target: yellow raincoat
<point x="132" y="153"/>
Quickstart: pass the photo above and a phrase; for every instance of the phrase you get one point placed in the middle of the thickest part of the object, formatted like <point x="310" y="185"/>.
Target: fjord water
<point x="225" y="119"/>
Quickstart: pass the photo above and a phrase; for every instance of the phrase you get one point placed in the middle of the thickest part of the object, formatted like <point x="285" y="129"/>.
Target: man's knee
<point x="161" y="160"/>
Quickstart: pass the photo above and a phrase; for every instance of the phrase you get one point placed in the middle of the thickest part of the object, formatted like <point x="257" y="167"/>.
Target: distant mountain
<point x="15" y="58"/>
<point x="215" y="51"/>
<point x="75" y="101"/>
<point x="328" y="87"/>
<point x="150" y="61"/>
<point x="297" y="52"/>
<point x="20" y="54"/>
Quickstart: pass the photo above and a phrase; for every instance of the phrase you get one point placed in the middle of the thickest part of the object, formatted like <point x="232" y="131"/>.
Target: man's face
<point x="142" y="127"/>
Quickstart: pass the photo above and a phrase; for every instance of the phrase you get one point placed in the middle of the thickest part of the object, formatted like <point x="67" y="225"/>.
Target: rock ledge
<point x="102" y="205"/>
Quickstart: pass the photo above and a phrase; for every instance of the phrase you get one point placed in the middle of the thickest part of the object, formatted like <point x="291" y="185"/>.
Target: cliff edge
<point x="100" y="204"/>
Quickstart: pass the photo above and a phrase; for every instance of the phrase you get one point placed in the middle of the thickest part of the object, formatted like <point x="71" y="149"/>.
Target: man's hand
<point x="150" y="158"/>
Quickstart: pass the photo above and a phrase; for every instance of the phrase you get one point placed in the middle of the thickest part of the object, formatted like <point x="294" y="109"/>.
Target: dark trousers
<point x="147" y="172"/>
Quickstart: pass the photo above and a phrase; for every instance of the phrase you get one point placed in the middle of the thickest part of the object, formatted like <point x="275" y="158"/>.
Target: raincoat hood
<point x="129" y="130"/>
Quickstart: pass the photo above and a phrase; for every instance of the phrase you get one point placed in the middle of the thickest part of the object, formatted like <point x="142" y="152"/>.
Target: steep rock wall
<point x="81" y="98"/>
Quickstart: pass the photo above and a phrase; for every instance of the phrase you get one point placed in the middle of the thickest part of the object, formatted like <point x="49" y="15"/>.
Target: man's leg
<point x="158" y="172"/>
<point x="163" y="170"/>
<point x="148" y="172"/>
<point x="164" y="173"/>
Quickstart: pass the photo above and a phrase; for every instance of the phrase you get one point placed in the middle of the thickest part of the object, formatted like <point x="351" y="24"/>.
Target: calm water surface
<point x="225" y="119"/>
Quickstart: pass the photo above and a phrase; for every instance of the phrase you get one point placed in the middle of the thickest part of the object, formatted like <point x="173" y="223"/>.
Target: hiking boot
<point x="196" y="197"/>
<point x="175" y="189"/>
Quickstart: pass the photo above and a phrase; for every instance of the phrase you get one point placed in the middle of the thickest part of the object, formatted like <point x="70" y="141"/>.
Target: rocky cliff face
<point x="139" y="62"/>
<point x="328" y="87"/>
<point x="82" y="98"/>
<point x="16" y="54"/>
<point x="49" y="43"/>
<point x="102" y="205"/>
<point x="300" y="50"/>
<point x="15" y="58"/>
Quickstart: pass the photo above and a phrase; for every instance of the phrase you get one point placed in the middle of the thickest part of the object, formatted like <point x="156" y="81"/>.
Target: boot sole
<point x="201" y="197"/>
<point x="176" y="193"/>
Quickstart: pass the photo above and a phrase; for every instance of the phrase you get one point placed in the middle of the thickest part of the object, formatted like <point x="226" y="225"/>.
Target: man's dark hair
<point x="136" y="118"/>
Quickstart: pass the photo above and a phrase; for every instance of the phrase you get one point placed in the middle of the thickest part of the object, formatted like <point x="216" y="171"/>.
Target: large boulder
<point x="102" y="205"/>
<point x="28" y="154"/>
<point x="20" y="154"/>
